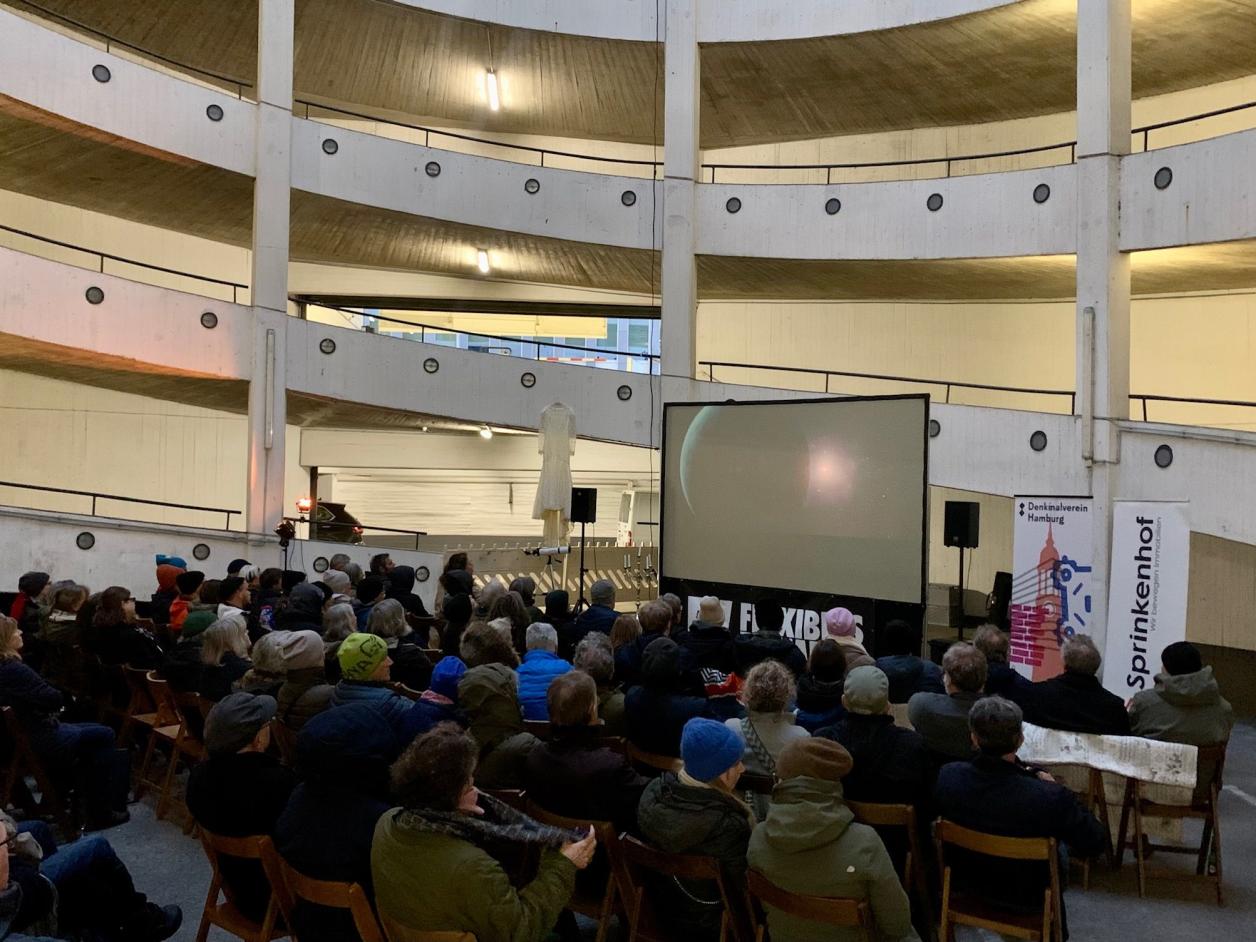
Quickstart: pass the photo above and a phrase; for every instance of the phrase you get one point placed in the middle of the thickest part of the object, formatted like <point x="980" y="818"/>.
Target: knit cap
<point x="709" y="748"/>
<point x="188" y="582"/>
<point x="360" y="654"/>
<point x="197" y="621"/>
<point x="302" y="650"/>
<point x="867" y="690"/>
<point x="814" y="757"/>
<point x="338" y="581"/>
<point x="234" y="567"/>
<point x="445" y="676"/>
<point x="710" y="611"/>
<point x="840" y="622"/>
<point x="177" y="561"/>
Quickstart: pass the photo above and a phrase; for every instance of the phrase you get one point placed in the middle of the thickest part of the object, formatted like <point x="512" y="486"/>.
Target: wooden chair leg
<point x="167" y="785"/>
<point x="211" y="900"/>
<point x="141" y="782"/>
<point x="1139" y="857"/>
<point x="604" y="913"/>
<point x="1205" y="844"/>
<point x="1125" y="821"/>
<point x="1216" y="846"/>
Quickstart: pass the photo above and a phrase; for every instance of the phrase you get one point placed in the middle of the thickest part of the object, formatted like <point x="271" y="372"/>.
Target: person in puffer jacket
<point x="364" y="672"/>
<point x="540" y="666"/>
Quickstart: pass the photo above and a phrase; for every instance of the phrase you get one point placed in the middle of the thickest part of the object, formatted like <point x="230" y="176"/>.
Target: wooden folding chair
<point x="830" y="911"/>
<point x="538" y="728"/>
<point x="1203" y="807"/>
<point x="651" y="763"/>
<point x="291" y="887"/>
<point x="140" y="710"/>
<point x="226" y="914"/>
<point x="595" y="907"/>
<point x="961" y="909"/>
<point x="914" y="877"/>
<point x="23" y="761"/>
<point x="285" y="740"/>
<point x="172" y="731"/>
<point x="396" y="932"/>
<point x="1095" y="799"/>
<point x="640" y="862"/>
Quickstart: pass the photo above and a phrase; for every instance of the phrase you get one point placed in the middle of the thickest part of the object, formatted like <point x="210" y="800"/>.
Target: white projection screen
<point x="826" y="496"/>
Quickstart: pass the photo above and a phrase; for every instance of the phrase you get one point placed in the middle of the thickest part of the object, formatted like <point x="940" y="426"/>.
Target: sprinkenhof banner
<point x="1151" y="546"/>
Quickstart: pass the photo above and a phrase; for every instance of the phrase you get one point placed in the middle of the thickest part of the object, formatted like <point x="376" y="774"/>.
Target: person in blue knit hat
<point x="696" y="811"/>
<point x="437" y="704"/>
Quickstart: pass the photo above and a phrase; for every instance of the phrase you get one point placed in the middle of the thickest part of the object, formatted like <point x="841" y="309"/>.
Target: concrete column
<point x="1103" y="271"/>
<point x="680" y="174"/>
<point x="269" y="282"/>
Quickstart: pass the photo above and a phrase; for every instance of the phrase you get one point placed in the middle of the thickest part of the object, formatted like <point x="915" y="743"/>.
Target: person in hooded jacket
<point x="304" y="611"/>
<point x="325" y="832"/>
<point x="907" y="672"/>
<point x="167" y="591"/>
<point x="266" y="599"/>
<point x="810" y="844"/>
<point x="457" y="610"/>
<point x="1185" y="705"/>
<point x="410" y="665"/>
<point x="187" y="585"/>
<point x="27" y="607"/>
<point x="438" y="703"/>
<point x="707" y="643"/>
<point x="767" y="642"/>
<point x="401" y="587"/>
<point x="305" y="692"/>
<point x="820" y="686"/>
<point x="658" y="709"/>
<point x="489" y="695"/>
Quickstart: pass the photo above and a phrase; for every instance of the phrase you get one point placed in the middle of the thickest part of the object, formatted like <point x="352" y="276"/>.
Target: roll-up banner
<point x="1151" y="546"/>
<point x="1052" y="559"/>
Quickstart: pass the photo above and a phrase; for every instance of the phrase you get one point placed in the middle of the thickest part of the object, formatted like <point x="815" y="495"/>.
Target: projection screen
<point x="825" y="496"/>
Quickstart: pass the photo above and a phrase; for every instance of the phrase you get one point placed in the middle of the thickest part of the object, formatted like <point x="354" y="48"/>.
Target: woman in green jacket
<point x="428" y="858"/>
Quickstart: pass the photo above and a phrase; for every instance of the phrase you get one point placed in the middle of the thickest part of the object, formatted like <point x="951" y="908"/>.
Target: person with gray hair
<point x="339" y="621"/>
<point x="540" y="666"/>
<point x="492" y="591"/>
<point x="601" y="614"/>
<point x="1075" y="701"/>
<point x="595" y="658"/>
<point x="942" y="718"/>
<point x="339" y="561"/>
<point x="266" y="675"/>
<point x="998" y="794"/>
<point x="410" y="665"/>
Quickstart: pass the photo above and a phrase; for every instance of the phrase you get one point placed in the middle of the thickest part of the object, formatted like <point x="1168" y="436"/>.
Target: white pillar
<point x="269" y="281"/>
<point x="1103" y="271"/>
<point x="680" y="175"/>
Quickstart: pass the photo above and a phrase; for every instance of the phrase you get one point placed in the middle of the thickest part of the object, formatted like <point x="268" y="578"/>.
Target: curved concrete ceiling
<point x="1015" y="60"/>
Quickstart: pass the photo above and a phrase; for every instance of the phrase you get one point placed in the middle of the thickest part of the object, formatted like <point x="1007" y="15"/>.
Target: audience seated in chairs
<point x="839" y="624"/>
<point x="1001" y="678"/>
<point x="489" y="694"/>
<point x="577" y="774"/>
<point x="224" y="657"/>
<point x="410" y="666"/>
<point x="1185" y="705"/>
<point x="810" y="844"/>
<point x="364" y="677"/>
<point x="325" y="831"/>
<point x="942" y="718"/>
<point x="707" y="643"/>
<point x="187" y="596"/>
<point x="767" y="642"/>
<point x="594" y="657"/>
<point x="907" y="672"/>
<point x="168" y="569"/>
<point x="539" y="667"/>
<point x="305" y="692"/>
<point x="820" y="686"/>
<point x="240" y="790"/>
<point x="432" y="858"/>
<point x="84" y="751"/>
<point x="655" y="619"/>
<point x="1075" y="700"/>
<point x="996" y="793"/>
<point x="659" y="708"/>
<point x="438" y="703"/>
<point x="115" y="638"/>
<point x="696" y="811"/>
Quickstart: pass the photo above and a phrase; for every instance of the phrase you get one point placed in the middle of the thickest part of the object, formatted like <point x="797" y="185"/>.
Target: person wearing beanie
<point x="267" y="672"/>
<point x="810" y="844"/>
<point x="658" y="708"/>
<point x="706" y="643"/>
<point x="1185" y="704"/>
<point x="339" y="582"/>
<point x="839" y="624"/>
<point x="364" y="677"/>
<point x="166" y="593"/>
<point x="187" y="584"/>
<point x="369" y="591"/>
<point x="438" y="703"/>
<point x="241" y="789"/>
<point x="400" y="586"/>
<point x="326" y="830"/>
<point x="696" y="811"/>
<point x="908" y="672"/>
<point x="767" y="642"/>
<point x="28" y="611"/>
<point x="302" y="610"/>
<point x="234" y="567"/>
<point x="305" y="692"/>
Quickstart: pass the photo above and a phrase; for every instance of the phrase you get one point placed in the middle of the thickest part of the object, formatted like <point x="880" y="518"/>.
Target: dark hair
<point x="211" y="591"/>
<point x="997" y="725"/>
<point x="270" y="578"/>
<point x="769" y="615"/>
<point x="481" y="643"/>
<point x="457" y="609"/>
<point x="677" y="606"/>
<point x="370" y="588"/>
<point x="557" y="602"/>
<point x="897" y="637"/>
<point x="434" y="770"/>
<point x="377" y="563"/>
<point x="625" y="630"/>
<point x="571" y="698"/>
<point x="229" y="587"/>
<point x="526" y="587"/>
<point x="827" y="662"/>
<point x="87" y="612"/>
<point x="109" y="608"/>
<point x="1181" y="657"/>
<point x="66" y="597"/>
<point x="456" y="561"/>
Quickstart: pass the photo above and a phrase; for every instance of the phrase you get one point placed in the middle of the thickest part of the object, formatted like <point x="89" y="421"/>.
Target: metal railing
<point x="97" y="495"/>
<point x="1145" y="398"/>
<point x="541" y="153"/>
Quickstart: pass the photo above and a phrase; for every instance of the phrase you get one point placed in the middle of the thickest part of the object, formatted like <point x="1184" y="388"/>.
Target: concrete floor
<point x="171" y="868"/>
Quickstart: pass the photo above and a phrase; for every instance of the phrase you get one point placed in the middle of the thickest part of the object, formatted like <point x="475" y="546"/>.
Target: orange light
<point x="305" y="505"/>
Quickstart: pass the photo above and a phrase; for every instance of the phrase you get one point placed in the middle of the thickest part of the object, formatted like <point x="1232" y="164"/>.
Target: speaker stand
<point x="580" y="603"/>
<point x="961" y="593"/>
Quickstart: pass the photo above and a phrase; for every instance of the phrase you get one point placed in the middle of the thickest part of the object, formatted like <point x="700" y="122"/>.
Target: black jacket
<point x="401" y="588"/>
<point x="410" y="665"/>
<point x="215" y="682"/>
<point x="1074" y="702"/>
<point x="749" y="650"/>
<point x="123" y="644"/>
<point x="657" y="716"/>
<point x="706" y="646"/>
<point x="576" y="774"/>
<point x="35" y="701"/>
<point x="819" y="703"/>
<point x="891" y="763"/>
<point x="1004" y="680"/>
<point x="628" y="660"/>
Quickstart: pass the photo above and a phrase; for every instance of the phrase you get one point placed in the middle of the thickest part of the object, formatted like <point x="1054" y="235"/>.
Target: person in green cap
<point x="364" y="676"/>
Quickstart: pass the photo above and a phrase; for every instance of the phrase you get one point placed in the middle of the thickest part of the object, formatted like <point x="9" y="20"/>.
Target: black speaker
<point x="584" y="505"/>
<point x="962" y="523"/>
<point x="1000" y="598"/>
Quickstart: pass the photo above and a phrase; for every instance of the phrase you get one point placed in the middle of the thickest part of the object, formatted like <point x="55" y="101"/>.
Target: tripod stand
<point x="580" y="602"/>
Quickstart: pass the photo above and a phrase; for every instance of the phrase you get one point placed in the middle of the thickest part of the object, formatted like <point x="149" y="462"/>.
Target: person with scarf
<point x="431" y="862"/>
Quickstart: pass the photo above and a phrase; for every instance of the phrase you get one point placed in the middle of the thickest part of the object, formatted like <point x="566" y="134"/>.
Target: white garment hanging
<point x="556" y="441"/>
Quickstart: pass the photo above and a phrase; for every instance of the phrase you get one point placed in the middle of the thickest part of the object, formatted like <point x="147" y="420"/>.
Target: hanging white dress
<point x="556" y="441"/>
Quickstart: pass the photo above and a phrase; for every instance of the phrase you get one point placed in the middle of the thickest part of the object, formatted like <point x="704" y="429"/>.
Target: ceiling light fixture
<point x="486" y="432"/>
<point x="481" y="261"/>
<point x="490" y="84"/>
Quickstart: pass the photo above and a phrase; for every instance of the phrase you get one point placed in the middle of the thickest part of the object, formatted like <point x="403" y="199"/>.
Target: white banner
<point x="1151" y="546"/>
<point x="1052" y="558"/>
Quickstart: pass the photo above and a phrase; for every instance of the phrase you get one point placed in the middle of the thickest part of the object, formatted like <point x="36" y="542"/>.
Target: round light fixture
<point x="209" y="320"/>
<point x="1164" y="456"/>
<point x="85" y="540"/>
<point x="485" y="432"/>
<point x="527" y="380"/>
<point x="422" y="574"/>
<point x="934" y="202"/>
<point x="432" y="169"/>
<point x="1038" y="441"/>
<point x="101" y="73"/>
<point x="624" y="393"/>
<point x="214" y="112"/>
<point x="628" y="198"/>
<point x="327" y="345"/>
<point x="1042" y="193"/>
<point x="431" y="365"/>
<point x="330" y="146"/>
<point x="200" y="551"/>
<point x="935" y="428"/>
<point x="1162" y="179"/>
<point x="320" y="564"/>
<point x="94" y="295"/>
<point x="833" y="206"/>
<point x="733" y="205"/>
<point x="532" y="186"/>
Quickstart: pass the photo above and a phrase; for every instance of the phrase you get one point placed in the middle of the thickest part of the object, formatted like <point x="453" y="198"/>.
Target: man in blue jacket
<point x="540" y="665"/>
<point x="601" y="614"/>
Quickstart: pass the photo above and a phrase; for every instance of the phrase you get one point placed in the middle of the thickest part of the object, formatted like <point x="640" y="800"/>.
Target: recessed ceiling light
<point x="481" y="261"/>
<point x="490" y="84"/>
